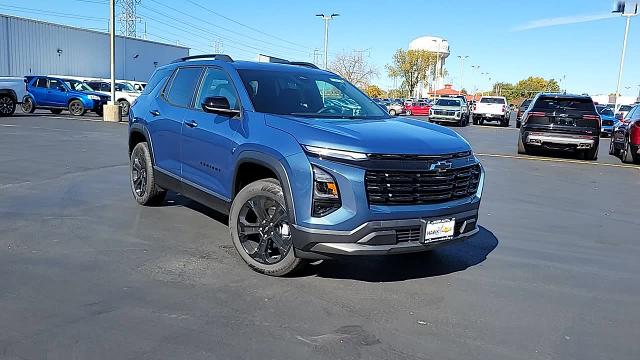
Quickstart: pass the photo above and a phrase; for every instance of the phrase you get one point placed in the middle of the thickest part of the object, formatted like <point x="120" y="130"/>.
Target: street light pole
<point x="112" y="41"/>
<point x="462" y="59"/>
<point x="621" y="11"/>
<point x="326" y="19"/>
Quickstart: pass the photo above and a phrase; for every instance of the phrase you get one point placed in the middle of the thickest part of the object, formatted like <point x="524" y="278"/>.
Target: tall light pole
<point x="326" y="19"/>
<point x="462" y="59"/>
<point x="475" y="85"/>
<point x="620" y="9"/>
<point x="112" y="41"/>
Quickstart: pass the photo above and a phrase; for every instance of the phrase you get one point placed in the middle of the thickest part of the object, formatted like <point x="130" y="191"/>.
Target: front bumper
<point x="379" y="237"/>
<point x="444" y="118"/>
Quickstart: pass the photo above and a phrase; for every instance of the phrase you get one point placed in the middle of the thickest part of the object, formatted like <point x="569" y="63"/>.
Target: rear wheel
<point x="612" y="148"/>
<point x="628" y="156"/>
<point x="591" y="154"/>
<point x="28" y="106"/>
<point x="76" y="108"/>
<point x="260" y="229"/>
<point x="124" y="107"/>
<point x="143" y="184"/>
<point x="392" y="112"/>
<point x="522" y="149"/>
<point x="7" y="105"/>
<point x="56" y="111"/>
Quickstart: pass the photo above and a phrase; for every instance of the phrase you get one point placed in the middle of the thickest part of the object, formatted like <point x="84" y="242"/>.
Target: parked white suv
<point x="125" y="93"/>
<point x="12" y="91"/>
<point x="491" y="108"/>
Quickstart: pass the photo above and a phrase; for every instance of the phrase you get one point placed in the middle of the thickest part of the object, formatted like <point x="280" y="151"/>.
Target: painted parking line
<point x="580" y="162"/>
<point x="7" y="125"/>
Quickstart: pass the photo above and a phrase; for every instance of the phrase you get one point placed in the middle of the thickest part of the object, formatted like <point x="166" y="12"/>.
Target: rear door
<point x="562" y="114"/>
<point x="38" y="90"/>
<point x="166" y="115"/>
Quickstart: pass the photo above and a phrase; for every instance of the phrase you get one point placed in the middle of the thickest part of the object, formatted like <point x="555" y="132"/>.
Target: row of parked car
<point x="566" y="122"/>
<point x="58" y="94"/>
<point x="453" y="109"/>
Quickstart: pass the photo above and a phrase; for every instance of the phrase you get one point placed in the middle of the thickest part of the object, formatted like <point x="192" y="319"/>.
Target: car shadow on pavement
<point x="175" y="199"/>
<point x="442" y="261"/>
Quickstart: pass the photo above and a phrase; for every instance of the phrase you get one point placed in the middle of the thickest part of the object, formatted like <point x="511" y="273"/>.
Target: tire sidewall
<point x="122" y="108"/>
<point x="271" y="189"/>
<point x="81" y="112"/>
<point x="144" y="148"/>
<point x="28" y="101"/>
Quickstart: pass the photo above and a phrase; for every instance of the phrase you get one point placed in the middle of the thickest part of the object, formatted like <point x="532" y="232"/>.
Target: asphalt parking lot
<point x="87" y="273"/>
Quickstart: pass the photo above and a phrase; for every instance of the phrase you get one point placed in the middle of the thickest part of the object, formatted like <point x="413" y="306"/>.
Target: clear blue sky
<point x="508" y="39"/>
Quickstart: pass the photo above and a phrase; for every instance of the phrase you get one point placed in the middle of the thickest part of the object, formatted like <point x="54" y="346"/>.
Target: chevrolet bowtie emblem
<point x="440" y="166"/>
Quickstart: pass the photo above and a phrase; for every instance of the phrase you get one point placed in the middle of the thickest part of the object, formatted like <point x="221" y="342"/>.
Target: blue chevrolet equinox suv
<point x="305" y="165"/>
<point x="56" y="95"/>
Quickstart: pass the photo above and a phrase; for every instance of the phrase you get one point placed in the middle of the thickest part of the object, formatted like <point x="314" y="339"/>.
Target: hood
<point x="608" y="117"/>
<point x="96" y="93"/>
<point x="385" y="136"/>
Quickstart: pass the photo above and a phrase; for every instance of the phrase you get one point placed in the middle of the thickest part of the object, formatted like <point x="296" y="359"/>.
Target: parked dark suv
<point x="561" y="122"/>
<point x="305" y="164"/>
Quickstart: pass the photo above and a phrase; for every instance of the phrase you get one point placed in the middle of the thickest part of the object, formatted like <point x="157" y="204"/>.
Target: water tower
<point x="440" y="47"/>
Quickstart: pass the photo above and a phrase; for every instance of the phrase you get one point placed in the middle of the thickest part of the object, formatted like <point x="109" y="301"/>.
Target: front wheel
<point x="392" y="112"/>
<point x="7" y="105"/>
<point x="28" y="106"/>
<point x="76" y="108"/>
<point x="124" y="107"/>
<point x="260" y="228"/>
<point x="409" y="112"/>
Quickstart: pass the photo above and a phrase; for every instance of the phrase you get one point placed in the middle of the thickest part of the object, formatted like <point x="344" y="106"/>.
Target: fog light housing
<point x="326" y="196"/>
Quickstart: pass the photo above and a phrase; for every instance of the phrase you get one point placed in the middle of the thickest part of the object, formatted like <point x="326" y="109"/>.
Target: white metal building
<point x="32" y="47"/>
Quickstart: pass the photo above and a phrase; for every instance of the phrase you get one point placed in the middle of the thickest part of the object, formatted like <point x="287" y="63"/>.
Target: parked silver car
<point x="394" y="108"/>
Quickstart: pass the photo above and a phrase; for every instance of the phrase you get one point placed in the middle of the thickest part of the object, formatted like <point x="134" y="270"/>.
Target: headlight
<point x="326" y="197"/>
<point x="94" y="97"/>
<point x="333" y="153"/>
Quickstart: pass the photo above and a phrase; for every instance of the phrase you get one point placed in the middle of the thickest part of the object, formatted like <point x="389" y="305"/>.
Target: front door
<point x="57" y="93"/>
<point x="208" y="140"/>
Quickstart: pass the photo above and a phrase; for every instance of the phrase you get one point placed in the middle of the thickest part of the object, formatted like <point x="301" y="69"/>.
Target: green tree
<point x="397" y="93"/>
<point x="412" y="66"/>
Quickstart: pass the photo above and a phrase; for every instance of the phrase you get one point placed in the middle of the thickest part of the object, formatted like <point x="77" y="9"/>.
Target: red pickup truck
<point x="417" y="108"/>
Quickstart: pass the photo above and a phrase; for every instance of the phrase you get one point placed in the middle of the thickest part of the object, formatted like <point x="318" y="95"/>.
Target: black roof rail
<point x="221" y="57"/>
<point x="305" y="64"/>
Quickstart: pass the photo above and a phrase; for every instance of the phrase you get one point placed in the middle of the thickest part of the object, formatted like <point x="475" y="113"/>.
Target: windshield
<point x="448" y="102"/>
<point x="604" y="110"/>
<point x="124" y="87"/>
<point x="492" y="100"/>
<point x="308" y="94"/>
<point x="77" y="85"/>
<point x="625" y="108"/>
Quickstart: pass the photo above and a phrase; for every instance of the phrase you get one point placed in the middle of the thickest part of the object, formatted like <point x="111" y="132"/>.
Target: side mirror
<point x="219" y="105"/>
<point x="61" y="88"/>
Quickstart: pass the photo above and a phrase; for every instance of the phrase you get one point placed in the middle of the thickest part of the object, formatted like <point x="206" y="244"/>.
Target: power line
<point x="191" y="16"/>
<point x="244" y="25"/>
<point x="48" y="12"/>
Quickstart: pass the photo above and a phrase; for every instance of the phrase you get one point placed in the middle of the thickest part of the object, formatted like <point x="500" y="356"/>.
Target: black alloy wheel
<point x="7" y="105"/>
<point x="138" y="172"/>
<point x="264" y="230"/>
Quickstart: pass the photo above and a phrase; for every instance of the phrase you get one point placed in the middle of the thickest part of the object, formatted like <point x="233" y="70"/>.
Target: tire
<point x="143" y="184"/>
<point x="99" y="112"/>
<point x="28" y="106"/>
<point x="591" y="154"/>
<point x="505" y="123"/>
<point x="7" y="105"/>
<point x="627" y="155"/>
<point x="408" y="112"/>
<point x="612" y="149"/>
<point x="461" y="122"/>
<point x="56" y="111"/>
<point x="124" y="107"/>
<point x="518" y="124"/>
<point x="481" y="122"/>
<point x="76" y="108"/>
<point x="257" y="242"/>
<point x="392" y="112"/>
<point x="474" y="120"/>
<point x="522" y="149"/>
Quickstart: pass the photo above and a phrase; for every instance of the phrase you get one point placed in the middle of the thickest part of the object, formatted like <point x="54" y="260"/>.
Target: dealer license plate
<point x="437" y="230"/>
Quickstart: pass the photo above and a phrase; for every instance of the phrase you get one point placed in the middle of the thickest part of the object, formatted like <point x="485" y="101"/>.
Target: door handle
<point x="154" y="112"/>
<point x="191" y="124"/>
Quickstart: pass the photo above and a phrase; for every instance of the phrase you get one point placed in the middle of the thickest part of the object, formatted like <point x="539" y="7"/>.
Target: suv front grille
<point x="444" y="112"/>
<point x="421" y="187"/>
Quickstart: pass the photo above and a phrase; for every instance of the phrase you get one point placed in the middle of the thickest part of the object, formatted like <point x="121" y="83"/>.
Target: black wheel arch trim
<point x="142" y="130"/>
<point x="275" y="165"/>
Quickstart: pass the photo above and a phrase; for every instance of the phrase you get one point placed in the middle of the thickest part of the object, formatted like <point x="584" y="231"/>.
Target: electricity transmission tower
<point x="128" y="18"/>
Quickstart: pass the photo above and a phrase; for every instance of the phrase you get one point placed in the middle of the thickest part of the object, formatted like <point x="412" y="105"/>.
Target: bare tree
<point x="354" y="68"/>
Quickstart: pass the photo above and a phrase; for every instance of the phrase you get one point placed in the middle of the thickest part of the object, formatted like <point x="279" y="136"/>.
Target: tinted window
<point x="625" y="108"/>
<point x="41" y="83"/>
<point x="604" y="110"/>
<point x="564" y="104"/>
<point x="216" y="83"/>
<point x="525" y="104"/>
<point x="311" y="94"/>
<point x="183" y="86"/>
<point x="158" y="77"/>
<point x="492" y="101"/>
<point x="53" y="84"/>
